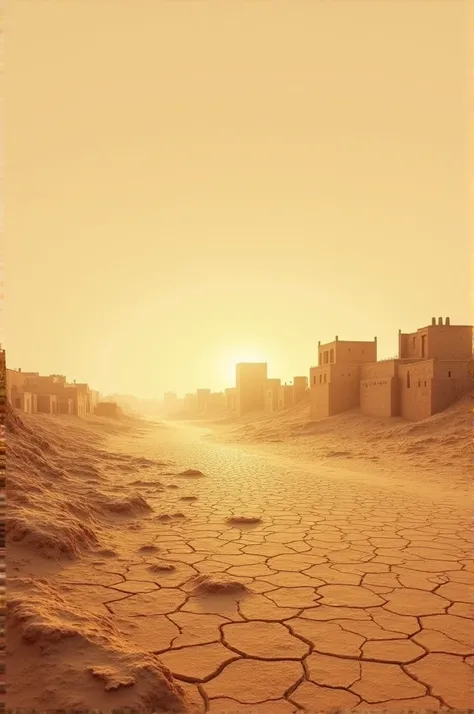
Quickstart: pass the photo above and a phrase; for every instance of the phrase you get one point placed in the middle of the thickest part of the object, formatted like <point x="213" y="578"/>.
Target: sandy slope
<point x="61" y="508"/>
<point x="436" y="451"/>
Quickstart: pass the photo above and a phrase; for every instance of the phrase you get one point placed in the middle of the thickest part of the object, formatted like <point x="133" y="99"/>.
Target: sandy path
<point x="345" y="592"/>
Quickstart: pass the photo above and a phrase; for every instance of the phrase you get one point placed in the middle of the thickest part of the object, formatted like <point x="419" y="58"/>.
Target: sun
<point x="234" y="356"/>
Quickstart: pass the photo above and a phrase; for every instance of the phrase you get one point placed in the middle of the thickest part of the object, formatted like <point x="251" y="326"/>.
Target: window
<point x="425" y="384"/>
<point x="314" y="379"/>
<point x="324" y="377"/>
<point x="414" y="342"/>
<point x="419" y="383"/>
<point x="320" y="379"/>
<point x="331" y="356"/>
<point x="408" y="380"/>
<point x="449" y="374"/>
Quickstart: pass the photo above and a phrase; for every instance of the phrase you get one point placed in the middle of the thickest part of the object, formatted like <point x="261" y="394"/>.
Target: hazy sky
<point x="193" y="183"/>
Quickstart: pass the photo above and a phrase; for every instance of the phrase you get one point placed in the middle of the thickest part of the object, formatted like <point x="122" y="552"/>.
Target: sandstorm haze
<point x="193" y="184"/>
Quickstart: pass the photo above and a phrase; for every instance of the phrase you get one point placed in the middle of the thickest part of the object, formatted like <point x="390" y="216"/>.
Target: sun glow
<point x="231" y="358"/>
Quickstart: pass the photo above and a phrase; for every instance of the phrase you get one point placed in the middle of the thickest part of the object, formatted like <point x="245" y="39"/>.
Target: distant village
<point x="33" y="393"/>
<point x="434" y="368"/>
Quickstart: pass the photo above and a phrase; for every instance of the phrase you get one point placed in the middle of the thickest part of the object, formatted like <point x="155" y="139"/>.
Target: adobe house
<point x="47" y="403"/>
<point x="108" y="409"/>
<point x="433" y="369"/>
<point x="190" y="403"/>
<point x="230" y="399"/>
<point x="272" y="389"/>
<point x="286" y="396"/>
<point x="250" y="380"/>
<point x="203" y="396"/>
<point x="24" y="401"/>
<point x="65" y="405"/>
<point x="441" y="371"/>
<point x="16" y="380"/>
<point x="215" y="403"/>
<point x="84" y="397"/>
<point x="335" y="382"/>
<point x="300" y="388"/>
<point x="170" y="402"/>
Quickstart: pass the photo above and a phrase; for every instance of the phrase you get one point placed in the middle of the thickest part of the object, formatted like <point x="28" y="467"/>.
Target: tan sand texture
<point x="261" y="582"/>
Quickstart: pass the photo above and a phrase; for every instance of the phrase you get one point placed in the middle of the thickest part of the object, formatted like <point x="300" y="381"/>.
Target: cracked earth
<point x="269" y="585"/>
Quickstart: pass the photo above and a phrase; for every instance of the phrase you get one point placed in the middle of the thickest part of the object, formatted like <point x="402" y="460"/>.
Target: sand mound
<point x="148" y="549"/>
<point x="161" y="567"/>
<point x="131" y="505"/>
<point x="51" y="538"/>
<point x="53" y="510"/>
<point x="43" y="629"/>
<point x="216" y="583"/>
<point x="243" y="520"/>
<point x="149" y="484"/>
<point x="191" y="473"/>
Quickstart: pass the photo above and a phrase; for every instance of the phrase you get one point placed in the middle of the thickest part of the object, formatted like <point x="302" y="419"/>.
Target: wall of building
<point x="230" y="399"/>
<point x="452" y="379"/>
<point x="347" y="352"/>
<point x="319" y="401"/>
<point x="443" y="342"/>
<point x="15" y="379"/>
<point x="380" y="397"/>
<point x="251" y="378"/>
<point x="107" y="409"/>
<point x="344" y="391"/>
<point x="190" y="403"/>
<point x="65" y="406"/>
<point x="203" y="396"/>
<point x="450" y="342"/>
<point x="215" y="403"/>
<point x="271" y="394"/>
<point x="301" y="386"/>
<point x="286" y="396"/>
<point x="415" y="385"/>
<point x="46" y="403"/>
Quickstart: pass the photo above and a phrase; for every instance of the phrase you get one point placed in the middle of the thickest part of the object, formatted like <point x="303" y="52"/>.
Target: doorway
<point x="423" y="345"/>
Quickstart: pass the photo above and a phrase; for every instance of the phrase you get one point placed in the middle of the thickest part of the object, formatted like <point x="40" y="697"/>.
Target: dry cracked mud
<point x="288" y="586"/>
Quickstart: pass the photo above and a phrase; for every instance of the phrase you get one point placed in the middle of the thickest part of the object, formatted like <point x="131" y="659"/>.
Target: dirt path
<point x="345" y="591"/>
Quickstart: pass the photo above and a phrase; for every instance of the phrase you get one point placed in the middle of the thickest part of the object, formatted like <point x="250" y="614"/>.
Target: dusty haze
<point x="194" y="184"/>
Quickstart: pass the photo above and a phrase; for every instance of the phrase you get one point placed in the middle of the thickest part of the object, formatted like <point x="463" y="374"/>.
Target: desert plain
<point x="275" y="565"/>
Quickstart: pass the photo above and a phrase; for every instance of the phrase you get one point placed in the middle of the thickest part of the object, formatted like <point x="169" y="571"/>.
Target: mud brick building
<point x="434" y="367"/>
<point x="250" y="380"/>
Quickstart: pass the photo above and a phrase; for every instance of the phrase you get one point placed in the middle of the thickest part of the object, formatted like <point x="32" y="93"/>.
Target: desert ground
<point x="275" y="567"/>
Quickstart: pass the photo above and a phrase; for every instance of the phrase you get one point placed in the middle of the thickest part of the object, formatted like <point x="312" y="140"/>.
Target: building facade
<point x="272" y="389"/>
<point x="434" y="368"/>
<point x="250" y="380"/>
<point x="335" y="382"/>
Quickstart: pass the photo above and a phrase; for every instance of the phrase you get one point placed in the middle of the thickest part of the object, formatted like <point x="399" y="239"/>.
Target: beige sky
<point x="190" y="183"/>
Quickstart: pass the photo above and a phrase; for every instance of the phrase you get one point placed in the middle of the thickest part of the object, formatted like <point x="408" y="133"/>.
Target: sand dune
<point x="435" y="450"/>
<point x="61" y="655"/>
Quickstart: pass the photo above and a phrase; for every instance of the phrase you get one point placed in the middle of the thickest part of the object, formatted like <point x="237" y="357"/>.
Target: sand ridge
<point x="337" y="593"/>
